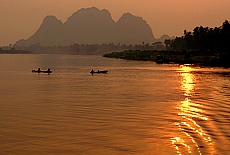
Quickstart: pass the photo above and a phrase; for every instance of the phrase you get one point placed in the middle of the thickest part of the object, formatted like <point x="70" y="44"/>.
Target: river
<point x="137" y="108"/>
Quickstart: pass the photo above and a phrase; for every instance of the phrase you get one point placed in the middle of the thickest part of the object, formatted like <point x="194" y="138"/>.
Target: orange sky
<point x="21" y="18"/>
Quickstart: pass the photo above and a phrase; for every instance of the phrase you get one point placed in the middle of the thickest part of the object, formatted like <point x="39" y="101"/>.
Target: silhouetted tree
<point x="204" y="38"/>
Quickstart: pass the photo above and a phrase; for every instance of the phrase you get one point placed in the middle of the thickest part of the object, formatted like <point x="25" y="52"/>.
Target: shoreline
<point x="15" y="52"/>
<point x="195" y="57"/>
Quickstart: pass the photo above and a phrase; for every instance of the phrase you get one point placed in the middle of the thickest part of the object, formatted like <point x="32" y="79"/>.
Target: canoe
<point x="41" y="71"/>
<point x="98" y="72"/>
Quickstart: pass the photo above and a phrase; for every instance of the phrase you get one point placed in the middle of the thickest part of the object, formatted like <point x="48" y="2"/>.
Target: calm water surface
<point x="137" y="108"/>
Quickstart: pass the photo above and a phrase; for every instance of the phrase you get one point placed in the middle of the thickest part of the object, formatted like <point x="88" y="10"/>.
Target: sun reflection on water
<point x="193" y="136"/>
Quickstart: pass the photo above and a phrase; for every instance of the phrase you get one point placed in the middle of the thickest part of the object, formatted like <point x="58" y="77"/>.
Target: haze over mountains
<point x="91" y="26"/>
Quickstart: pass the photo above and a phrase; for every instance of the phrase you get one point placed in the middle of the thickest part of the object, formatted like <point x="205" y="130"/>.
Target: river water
<point x="137" y="108"/>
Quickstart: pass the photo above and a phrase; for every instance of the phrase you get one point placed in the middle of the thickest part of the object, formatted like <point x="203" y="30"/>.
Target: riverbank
<point x="196" y="57"/>
<point x="13" y="51"/>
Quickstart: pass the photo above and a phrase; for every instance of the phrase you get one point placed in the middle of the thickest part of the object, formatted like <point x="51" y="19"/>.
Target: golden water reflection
<point x="193" y="137"/>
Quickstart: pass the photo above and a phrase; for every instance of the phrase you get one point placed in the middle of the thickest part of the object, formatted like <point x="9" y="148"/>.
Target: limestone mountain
<point x="91" y="26"/>
<point x="49" y="33"/>
<point x="132" y="29"/>
<point x="163" y="37"/>
<point x="88" y="26"/>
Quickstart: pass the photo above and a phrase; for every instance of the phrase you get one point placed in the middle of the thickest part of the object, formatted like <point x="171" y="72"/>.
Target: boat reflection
<point x="192" y="138"/>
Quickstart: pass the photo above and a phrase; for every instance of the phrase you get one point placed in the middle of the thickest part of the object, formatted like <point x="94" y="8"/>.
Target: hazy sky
<point x="21" y="18"/>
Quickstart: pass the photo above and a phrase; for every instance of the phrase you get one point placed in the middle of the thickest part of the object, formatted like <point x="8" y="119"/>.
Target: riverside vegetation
<point x="14" y="51"/>
<point x="204" y="47"/>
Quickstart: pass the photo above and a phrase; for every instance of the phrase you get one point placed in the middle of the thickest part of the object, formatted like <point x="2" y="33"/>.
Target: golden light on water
<point x="190" y="113"/>
<point x="188" y="80"/>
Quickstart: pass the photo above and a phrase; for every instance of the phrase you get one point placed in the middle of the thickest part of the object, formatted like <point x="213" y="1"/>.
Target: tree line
<point x="203" y="38"/>
<point x="97" y="49"/>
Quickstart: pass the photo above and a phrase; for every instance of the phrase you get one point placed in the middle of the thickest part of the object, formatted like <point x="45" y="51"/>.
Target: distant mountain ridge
<point x="163" y="37"/>
<point x="90" y="26"/>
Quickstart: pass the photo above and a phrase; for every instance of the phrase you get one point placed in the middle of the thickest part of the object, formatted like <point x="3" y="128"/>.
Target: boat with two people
<point x="99" y="71"/>
<point x="42" y="71"/>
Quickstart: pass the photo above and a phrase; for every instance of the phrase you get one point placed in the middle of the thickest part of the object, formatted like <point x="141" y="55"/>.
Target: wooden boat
<point x="41" y="71"/>
<point x="98" y="72"/>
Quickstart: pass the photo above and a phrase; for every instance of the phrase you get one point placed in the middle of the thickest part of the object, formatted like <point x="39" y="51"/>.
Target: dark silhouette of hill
<point x="91" y="26"/>
<point x="164" y="37"/>
<point x="132" y="29"/>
